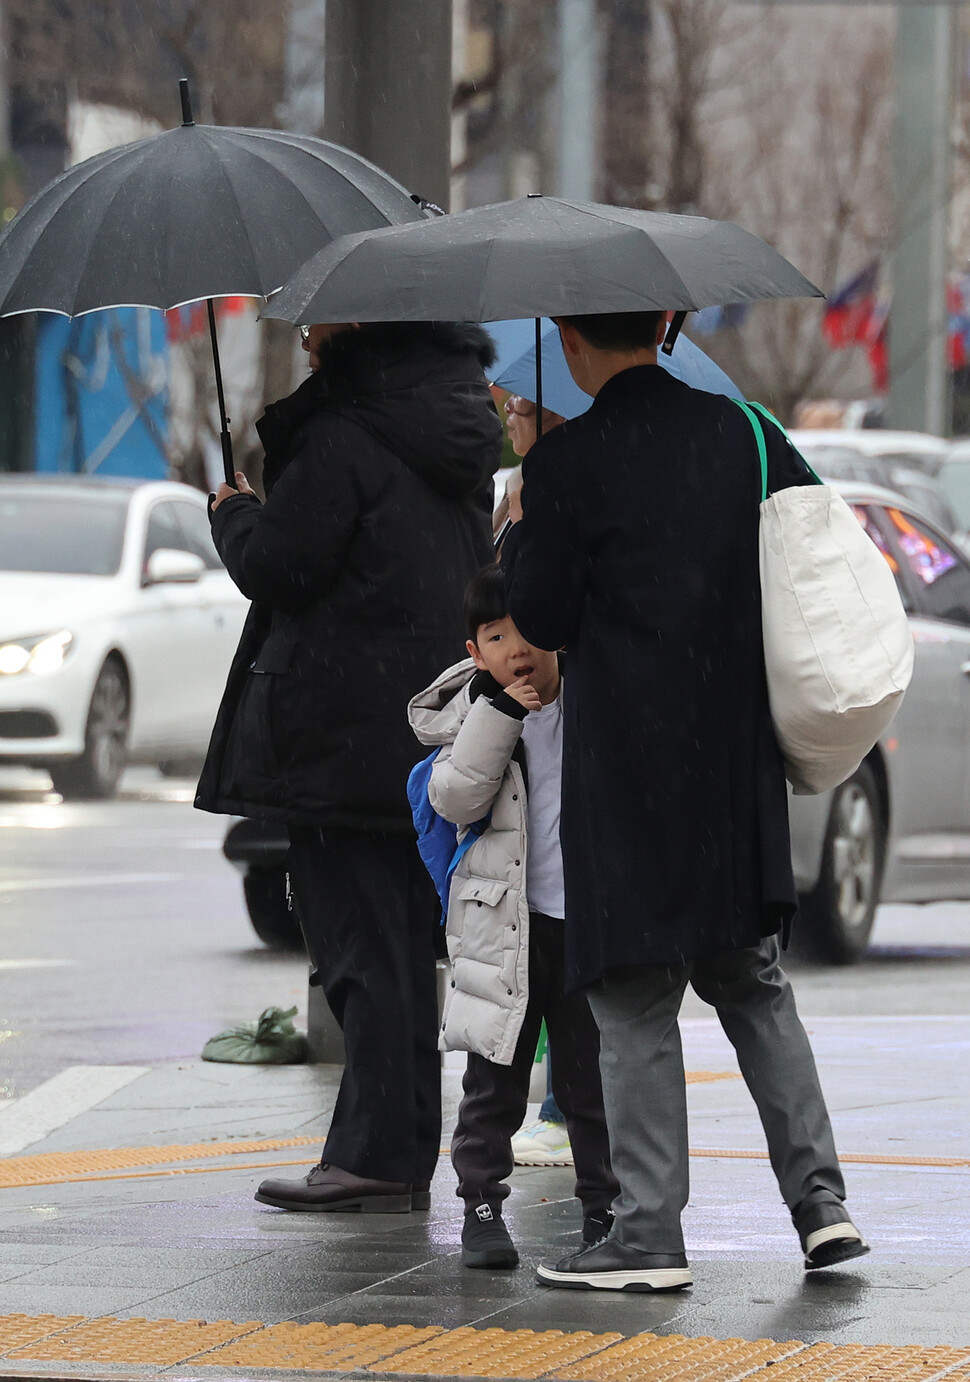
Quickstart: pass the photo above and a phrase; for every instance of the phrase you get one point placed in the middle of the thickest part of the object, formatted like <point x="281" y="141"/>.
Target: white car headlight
<point x="44" y="653"/>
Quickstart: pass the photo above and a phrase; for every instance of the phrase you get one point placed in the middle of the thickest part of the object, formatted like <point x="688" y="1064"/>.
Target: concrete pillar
<point x="919" y="378"/>
<point x="388" y="88"/>
<point x="579" y="59"/>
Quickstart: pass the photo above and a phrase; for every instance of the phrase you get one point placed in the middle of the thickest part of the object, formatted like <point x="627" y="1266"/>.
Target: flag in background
<point x="851" y="315"/>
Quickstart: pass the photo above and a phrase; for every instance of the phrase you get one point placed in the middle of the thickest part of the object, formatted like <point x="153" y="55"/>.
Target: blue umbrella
<point x="515" y="367"/>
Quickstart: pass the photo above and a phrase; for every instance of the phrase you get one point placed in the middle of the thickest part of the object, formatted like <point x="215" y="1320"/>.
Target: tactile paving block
<point x="704" y="1076"/>
<point x="319" y="1347"/>
<point x="867" y="1363"/>
<point x="49" y="1168"/>
<point x="27" y="1329"/>
<point x="513" y="1353"/>
<point x="111" y="1340"/>
<point x="675" y="1358"/>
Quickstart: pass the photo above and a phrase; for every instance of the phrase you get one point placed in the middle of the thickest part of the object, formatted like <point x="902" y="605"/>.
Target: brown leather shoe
<point x="329" y="1188"/>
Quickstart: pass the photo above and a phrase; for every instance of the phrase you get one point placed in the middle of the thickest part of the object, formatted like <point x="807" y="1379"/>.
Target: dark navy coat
<point x="638" y="553"/>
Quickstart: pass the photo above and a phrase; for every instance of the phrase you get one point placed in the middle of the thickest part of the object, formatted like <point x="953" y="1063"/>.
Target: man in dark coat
<point x="638" y="552"/>
<point x="378" y="482"/>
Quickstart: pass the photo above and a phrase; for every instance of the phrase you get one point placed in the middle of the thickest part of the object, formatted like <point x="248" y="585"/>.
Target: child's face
<point x="503" y="651"/>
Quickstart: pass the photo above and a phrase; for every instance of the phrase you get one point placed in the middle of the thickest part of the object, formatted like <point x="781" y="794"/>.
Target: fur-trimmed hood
<point x="418" y="387"/>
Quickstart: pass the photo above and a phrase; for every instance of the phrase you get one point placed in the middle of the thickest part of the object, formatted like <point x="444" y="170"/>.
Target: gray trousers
<point x="645" y="1095"/>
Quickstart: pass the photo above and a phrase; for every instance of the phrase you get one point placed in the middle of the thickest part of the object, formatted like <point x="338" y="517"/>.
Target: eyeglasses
<point x="304" y="333"/>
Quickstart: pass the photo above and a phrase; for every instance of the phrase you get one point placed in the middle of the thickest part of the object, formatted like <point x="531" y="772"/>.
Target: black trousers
<point x="369" y="911"/>
<point x="496" y="1096"/>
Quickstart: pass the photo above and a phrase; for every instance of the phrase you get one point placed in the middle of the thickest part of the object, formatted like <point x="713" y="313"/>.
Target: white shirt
<point x="542" y="737"/>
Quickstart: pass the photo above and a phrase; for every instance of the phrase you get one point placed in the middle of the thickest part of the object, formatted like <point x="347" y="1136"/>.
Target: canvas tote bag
<point x="838" y="650"/>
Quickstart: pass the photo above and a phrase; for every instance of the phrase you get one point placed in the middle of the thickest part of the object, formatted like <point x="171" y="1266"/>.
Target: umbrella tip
<point x="186" y="101"/>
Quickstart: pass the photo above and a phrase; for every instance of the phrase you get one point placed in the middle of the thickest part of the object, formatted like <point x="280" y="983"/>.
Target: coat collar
<point x="640" y="381"/>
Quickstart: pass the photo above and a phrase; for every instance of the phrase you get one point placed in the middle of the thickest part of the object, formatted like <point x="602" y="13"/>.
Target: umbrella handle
<point x="224" y="437"/>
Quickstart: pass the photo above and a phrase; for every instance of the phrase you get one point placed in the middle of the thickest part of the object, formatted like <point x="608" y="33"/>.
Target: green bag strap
<point x="754" y="412"/>
<point x="759" y="437"/>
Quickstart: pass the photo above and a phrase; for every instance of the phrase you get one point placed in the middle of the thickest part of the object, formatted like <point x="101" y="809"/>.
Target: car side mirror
<point x="167" y="565"/>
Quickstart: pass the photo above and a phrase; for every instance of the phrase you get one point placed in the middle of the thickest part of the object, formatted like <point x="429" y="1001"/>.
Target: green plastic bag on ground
<point x="273" y="1040"/>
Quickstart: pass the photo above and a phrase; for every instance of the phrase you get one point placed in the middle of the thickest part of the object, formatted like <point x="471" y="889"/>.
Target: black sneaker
<point x="596" y="1226"/>
<point x="485" y="1240"/>
<point x="828" y="1236"/>
<point x="610" y="1267"/>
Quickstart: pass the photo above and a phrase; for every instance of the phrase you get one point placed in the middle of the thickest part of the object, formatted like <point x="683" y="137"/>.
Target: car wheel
<point x="274" y="921"/>
<point x="95" y="774"/>
<point x="836" y="917"/>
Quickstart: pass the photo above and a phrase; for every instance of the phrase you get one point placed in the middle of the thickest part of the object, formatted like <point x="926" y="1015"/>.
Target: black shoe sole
<point x="838" y="1250"/>
<point x="490" y="1259"/>
<point x="360" y="1204"/>
<point x="420" y="1199"/>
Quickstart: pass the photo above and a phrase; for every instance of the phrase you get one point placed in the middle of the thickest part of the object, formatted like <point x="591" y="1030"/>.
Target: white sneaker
<point x="542" y="1144"/>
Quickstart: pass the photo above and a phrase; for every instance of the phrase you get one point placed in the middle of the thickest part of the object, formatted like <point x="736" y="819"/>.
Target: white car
<point x="117" y="627"/>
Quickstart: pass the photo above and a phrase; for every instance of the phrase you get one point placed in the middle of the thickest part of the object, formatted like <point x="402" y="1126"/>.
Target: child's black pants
<point x="496" y="1096"/>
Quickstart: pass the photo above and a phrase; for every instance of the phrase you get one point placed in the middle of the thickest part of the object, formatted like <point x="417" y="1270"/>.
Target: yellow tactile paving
<point x="676" y="1358"/>
<point x="859" y="1158"/>
<point x="48" y="1168"/>
<point x="161" y="1342"/>
<point x="867" y="1363"/>
<point x="27" y="1329"/>
<point x="319" y="1347"/>
<point x="705" y="1076"/>
<point x="515" y="1353"/>
<point x="432" y="1351"/>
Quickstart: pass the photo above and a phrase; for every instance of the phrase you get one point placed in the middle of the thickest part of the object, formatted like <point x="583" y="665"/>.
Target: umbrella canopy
<point x="538" y="256"/>
<point x="197" y="212"/>
<point x="515" y="368"/>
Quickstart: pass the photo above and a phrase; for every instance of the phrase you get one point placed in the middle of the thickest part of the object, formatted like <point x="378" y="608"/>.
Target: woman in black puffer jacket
<point x="378" y="477"/>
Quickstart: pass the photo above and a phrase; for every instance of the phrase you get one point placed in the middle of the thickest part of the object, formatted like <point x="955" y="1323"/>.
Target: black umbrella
<point x="535" y="257"/>
<point x="200" y="211"/>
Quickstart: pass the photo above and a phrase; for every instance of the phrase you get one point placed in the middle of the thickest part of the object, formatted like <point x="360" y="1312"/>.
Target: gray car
<point x="899" y="829"/>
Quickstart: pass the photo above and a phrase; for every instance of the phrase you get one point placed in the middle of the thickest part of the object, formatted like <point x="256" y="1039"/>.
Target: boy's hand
<point x="525" y="694"/>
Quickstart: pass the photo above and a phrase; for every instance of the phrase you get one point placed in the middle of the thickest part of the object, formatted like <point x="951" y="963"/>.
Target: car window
<point x="164" y="530"/>
<point x="926" y="461"/>
<point x="939" y="578"/>
<point x="954" y="478"/>
<point x="873" y="530"/>
<point x="927" y="494"/>
<point x="194" y="522"/>
<point x="71" y="534"/>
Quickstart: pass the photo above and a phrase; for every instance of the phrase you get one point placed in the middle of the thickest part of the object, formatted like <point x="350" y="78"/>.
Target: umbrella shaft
<point x="224" y="437"/>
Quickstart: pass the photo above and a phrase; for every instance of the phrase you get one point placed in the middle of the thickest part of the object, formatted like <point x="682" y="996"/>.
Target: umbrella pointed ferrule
<point x="186" y="101"/>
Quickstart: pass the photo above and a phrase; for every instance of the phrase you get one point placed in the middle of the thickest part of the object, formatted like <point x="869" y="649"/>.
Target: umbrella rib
<point x="242" y="222"/>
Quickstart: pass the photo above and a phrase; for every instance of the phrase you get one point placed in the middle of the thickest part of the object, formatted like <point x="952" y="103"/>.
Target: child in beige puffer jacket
<point x="497" y="717"/>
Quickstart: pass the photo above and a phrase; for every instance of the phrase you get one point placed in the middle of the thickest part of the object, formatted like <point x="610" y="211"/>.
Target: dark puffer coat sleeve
<point x="287" y="552"/>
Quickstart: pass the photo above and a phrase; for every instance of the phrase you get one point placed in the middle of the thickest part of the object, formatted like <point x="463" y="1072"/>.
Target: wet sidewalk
<point x="130" y="1244"/>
